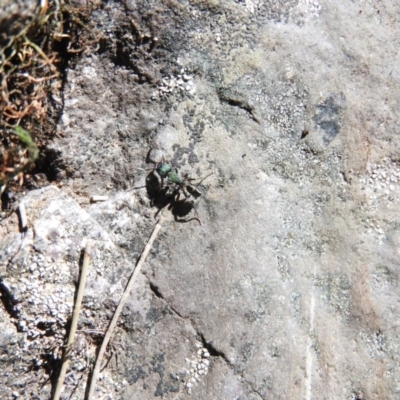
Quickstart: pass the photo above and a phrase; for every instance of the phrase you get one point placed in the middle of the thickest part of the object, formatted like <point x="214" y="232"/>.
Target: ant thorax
<point x="173" y="177"/>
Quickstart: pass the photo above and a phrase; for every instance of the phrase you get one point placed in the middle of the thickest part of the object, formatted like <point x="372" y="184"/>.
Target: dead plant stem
<point x="122" y="301"/>
<point x="74" y="322"/>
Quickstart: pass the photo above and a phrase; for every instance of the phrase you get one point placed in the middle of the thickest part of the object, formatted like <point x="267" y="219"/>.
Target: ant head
<point x="163" y="169"/>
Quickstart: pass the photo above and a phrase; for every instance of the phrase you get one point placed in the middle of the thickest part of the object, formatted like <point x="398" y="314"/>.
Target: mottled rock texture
<point x="291" y="283"/>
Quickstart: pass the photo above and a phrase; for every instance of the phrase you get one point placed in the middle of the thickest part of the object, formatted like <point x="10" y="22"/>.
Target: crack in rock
<point x="235" y="101"/>
<point x="159" y="295"/>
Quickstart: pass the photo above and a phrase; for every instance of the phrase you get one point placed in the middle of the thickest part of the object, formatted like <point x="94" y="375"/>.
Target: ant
<point x="164" y="186"/>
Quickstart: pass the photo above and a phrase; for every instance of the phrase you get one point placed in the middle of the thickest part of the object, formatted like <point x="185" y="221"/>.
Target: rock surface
<point x="289" y="288"/>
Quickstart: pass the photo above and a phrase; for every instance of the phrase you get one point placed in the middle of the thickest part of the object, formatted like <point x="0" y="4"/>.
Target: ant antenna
<point x="202" y="179"/>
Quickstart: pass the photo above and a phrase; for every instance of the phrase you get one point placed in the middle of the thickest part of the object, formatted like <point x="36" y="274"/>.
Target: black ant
<point x="164" y="186"/>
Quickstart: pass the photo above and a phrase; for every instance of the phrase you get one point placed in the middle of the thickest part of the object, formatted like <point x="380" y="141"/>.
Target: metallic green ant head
<point x="163" y="169"/>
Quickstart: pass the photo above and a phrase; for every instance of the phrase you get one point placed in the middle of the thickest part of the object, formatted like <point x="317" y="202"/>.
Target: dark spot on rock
<point x="328" y="116"/>
<point x="335" y="291"/>
<point x="197" y="131"/>
<point x="53" y="235"/>
<point x="188" y="118"/>
<point x="251" y="316"/>
<point x="275" y="352"/>
<point x="193" y="159"/>
<point x="166" y="386"/>
<point x="154" y="314"/>
<point x="247" y="351"/>
<point x="135" y="374"/>
<point x="304" y="133"/>
<point x="179" y="153"/>
<point x="157" y="363"/>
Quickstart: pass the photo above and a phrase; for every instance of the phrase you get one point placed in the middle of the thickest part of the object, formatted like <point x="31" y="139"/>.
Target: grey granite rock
<point x="291" y="283"/>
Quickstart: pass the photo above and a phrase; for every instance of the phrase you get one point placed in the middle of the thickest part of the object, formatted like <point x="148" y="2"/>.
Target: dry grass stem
<point x="124" y="297"/>
<point x="74" y="322"/>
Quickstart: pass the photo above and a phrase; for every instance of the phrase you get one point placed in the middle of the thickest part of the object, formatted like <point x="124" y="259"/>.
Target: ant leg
<point x="187" y="220"/>
<point x="203" y="178"/>
<point x="159" y="210"/>
<point x="197" y="215"/>
<point x="192" y="189"/>
<point x="196" y="218"/>
<point x="182" y="186"/>
<point x="138" y="187"/>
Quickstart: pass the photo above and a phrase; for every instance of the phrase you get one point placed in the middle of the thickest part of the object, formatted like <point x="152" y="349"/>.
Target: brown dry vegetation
<point x="34" y="52"/>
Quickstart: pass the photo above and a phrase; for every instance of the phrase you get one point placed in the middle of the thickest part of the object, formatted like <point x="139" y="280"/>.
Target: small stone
<point x="22" y="325"/>
<point x="32" y="334"/>
<point x="206" y="354"/>
<point x="155" y="155"/>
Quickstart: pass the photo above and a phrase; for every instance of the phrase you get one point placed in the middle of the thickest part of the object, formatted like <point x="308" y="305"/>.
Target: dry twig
<point x="121" y="304"/>
<point x="74" y="322"/>
<point x="22" y="217"/>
